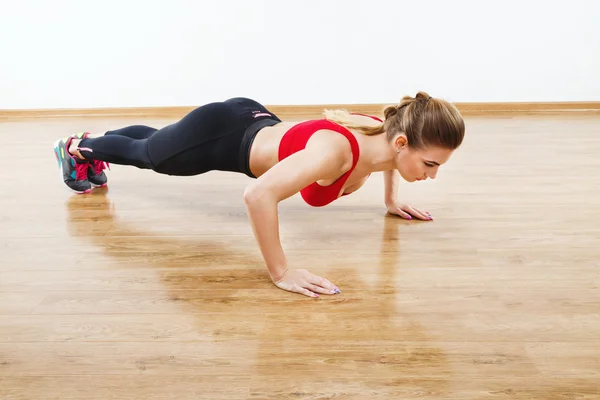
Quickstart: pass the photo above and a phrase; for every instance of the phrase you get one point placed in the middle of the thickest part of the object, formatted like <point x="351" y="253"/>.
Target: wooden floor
<point x="155" y="288"/>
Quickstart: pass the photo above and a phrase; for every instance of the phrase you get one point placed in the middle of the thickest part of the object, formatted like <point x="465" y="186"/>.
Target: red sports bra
<point x="295" y="140"/>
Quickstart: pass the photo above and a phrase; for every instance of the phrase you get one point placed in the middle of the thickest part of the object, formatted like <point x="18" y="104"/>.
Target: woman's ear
<point x="400" y="142"/>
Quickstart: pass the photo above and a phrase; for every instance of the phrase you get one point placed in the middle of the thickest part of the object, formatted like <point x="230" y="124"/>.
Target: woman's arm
<point x="391" y="179"/>
<point x="284" y="180"/>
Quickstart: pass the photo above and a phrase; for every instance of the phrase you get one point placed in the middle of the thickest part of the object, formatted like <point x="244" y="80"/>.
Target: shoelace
<point x="80" y="171"/>
<point x="99" y="166"/>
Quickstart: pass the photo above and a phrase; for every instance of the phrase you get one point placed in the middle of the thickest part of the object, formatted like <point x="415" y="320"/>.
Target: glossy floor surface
<point x="155" y="289"/>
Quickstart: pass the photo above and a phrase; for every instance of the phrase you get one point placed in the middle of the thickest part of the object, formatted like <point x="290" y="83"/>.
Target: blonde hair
<point x="426" y="121"/>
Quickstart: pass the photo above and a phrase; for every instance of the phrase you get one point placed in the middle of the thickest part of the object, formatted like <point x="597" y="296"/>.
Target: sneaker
<point x="95" y="172"/>
<point x="72" y="173"/>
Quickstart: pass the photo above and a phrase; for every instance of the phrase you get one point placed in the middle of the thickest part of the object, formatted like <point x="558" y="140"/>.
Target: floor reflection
<point x="356" y="342"/>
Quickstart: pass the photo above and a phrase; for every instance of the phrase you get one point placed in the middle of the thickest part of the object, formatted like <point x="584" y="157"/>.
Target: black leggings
<point x="215" y="136"/>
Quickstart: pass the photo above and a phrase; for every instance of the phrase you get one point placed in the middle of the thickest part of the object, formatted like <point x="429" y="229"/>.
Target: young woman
<point x="322" y="159"/>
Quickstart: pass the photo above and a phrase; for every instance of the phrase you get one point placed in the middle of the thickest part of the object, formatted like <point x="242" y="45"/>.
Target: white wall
<point x="120" y="53"/>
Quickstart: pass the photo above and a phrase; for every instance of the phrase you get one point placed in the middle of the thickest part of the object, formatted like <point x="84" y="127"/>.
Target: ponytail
<point x="346" y="119"/>
<point x="424" y="120"/>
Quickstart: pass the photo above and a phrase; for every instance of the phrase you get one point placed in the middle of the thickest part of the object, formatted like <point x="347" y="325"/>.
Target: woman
<point x="322" y="159"/>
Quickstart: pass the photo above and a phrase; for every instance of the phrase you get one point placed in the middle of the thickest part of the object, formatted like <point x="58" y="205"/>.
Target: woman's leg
<point x="82" y="159"/>
<point x="113" y="148"/>
<point x="206" y="139"/>
<point x="201" y="141"/>
<point x="134" y="132"/>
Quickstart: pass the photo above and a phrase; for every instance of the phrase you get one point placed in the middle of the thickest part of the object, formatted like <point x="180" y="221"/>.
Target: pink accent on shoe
<point x="261" y="115"/>
<point x="99" y="166"/>
<point x="81" y="171"/>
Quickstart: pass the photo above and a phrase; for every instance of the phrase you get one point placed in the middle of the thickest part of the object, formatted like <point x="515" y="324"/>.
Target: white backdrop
<point x="122" y="53"/>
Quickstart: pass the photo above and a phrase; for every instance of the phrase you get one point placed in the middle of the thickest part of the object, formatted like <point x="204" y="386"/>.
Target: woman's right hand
<point x="326" y="157"/>
<point x="303" y="282"/>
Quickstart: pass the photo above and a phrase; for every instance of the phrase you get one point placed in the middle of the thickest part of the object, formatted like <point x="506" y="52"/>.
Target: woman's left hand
<point x="407" y="211"/>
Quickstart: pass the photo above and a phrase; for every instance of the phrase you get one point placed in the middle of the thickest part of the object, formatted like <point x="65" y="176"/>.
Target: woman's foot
<point x="96" y="175"/>
<point x="95" y="172"/>
<point x="73" y="173"/>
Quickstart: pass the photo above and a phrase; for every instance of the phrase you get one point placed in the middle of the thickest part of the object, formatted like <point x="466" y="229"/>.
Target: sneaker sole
<point x="61" y="171"/>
